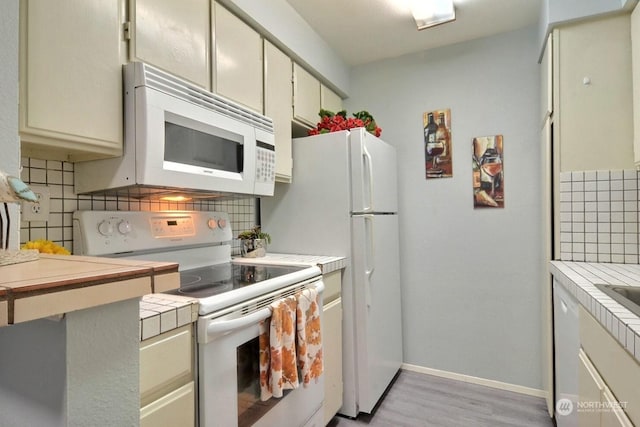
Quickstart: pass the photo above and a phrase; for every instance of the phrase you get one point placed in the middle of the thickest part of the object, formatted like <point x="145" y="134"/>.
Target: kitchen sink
<point x="628" y="296"/>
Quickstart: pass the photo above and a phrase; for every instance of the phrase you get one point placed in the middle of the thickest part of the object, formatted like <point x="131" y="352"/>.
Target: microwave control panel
<point x="265" y="163"/>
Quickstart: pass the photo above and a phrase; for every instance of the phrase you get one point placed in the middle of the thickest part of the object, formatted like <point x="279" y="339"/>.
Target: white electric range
<point x="234" y="297"/>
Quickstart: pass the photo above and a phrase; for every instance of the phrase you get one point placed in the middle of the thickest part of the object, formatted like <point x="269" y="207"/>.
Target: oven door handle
<point x="223" y="327"/>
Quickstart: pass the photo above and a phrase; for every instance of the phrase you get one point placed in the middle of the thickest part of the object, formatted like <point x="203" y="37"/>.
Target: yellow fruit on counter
<point x="46" y="247"/>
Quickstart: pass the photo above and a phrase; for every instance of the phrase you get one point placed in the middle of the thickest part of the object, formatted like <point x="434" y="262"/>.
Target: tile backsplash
<point x="58" y="177"/>
<point x="599" y="216"/>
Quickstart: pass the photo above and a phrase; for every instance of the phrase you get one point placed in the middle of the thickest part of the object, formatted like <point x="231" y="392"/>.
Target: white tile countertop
<point x="326" y="263"/>
<point x="579" y="278"/>
<point x="160" y="313"/>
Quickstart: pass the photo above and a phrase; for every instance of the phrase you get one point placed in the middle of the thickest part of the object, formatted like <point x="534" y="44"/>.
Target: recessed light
<point x="429" y="13"/>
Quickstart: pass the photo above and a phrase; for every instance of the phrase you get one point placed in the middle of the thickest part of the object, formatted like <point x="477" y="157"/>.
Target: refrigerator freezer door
<point x="376" y="291"/>
<point x="374" y="179"/>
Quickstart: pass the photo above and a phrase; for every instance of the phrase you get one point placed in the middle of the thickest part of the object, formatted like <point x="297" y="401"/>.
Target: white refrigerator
<point x="343" y="201"/>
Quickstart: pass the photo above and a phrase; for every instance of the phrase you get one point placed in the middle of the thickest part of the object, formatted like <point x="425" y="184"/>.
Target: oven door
<point x="229" y="375"/>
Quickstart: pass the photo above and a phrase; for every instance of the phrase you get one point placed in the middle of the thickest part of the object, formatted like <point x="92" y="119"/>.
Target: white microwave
<point x="183" y="140"/>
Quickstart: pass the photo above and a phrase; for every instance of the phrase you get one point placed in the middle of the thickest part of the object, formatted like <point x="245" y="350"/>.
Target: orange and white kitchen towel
<point x="278" y="370"/>
<point x="309" y="336"/>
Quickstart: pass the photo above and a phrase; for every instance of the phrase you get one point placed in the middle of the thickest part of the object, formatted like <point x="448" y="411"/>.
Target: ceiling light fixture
<point x="429" y="13"/>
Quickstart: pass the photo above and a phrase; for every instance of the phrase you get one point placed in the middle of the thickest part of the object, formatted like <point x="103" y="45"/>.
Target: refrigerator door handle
<point x="367" y="165"/>
<point x="370" y="256"/>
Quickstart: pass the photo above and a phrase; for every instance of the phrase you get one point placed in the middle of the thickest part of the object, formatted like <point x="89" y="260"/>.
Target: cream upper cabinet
<point x="306" y="97"/>
<point x="593" y="114"/>
<point x="635" y="59"/>
<point x="278" y="96"/>
<point x="173" y="35"/>
<point x="238" y="59"/>
<point x="329" y="100"/>
<point x="71" y="56"/>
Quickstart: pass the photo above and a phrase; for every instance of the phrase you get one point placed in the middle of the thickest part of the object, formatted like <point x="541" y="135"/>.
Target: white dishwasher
<point x="566" y="339"/>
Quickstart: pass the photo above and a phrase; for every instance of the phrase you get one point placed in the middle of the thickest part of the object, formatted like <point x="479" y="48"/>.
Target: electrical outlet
<point x="38" y="211"/>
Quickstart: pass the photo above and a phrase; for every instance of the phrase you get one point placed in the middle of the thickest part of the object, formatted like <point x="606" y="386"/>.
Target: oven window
<point x="193" y="147"/>
<point x="250" y="407"/>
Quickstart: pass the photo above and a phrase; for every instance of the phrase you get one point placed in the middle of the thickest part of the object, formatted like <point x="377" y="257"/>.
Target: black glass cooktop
<point x="217" y="279"/>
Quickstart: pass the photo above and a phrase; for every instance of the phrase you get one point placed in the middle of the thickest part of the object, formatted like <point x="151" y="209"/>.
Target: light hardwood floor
<point x="417" y="400"/>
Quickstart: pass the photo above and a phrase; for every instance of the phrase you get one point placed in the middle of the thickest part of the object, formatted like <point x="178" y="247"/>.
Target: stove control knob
<point x="222" y="223"/>
<point x="124" y="227"/>
<point x="212" y="223"/>
<point x="105" y="228"/>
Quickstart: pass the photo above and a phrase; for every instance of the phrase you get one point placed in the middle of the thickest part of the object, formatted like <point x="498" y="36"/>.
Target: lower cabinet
<point x="332" y="344"/>
<point x="608" y="378"/>
<point x="167" y="386"/>
<point x="615" y="416"/>
<point x="173" y="409"/>
<point x="598" y="407"/>
<point x="590" y="387"/>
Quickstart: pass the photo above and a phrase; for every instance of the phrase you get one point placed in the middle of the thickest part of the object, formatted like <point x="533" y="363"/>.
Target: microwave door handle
<point x="223" y="327"/>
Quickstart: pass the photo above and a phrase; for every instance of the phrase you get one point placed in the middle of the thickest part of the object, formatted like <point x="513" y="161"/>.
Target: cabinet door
<point x="619" y="369"/>
<point x="173" y="35"/>
<point x="612" y="413"/>
<point x="278" y="97"/>
<point x="306" y="97"/>
<point x="329" y="100"/>
<point x="590" y="391"/>
<point x="635" y="67"/>
<point x="594" y="115"/>
<point x="71" y="56"/>
<point x="332" y="350"/>
<point x="165" y="363"/>
<point x="238" y="59"/>
<point x="174" y="409"/>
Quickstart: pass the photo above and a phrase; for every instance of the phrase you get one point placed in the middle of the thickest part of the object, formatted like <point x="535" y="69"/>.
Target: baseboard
<point x="476" y="380"/>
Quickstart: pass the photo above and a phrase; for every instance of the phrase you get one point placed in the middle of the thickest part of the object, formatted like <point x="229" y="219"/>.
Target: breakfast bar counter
<point x="57" y="284"/>
<point x="71" y="339"/>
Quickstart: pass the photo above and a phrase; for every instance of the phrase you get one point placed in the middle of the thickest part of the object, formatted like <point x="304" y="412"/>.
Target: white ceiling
<point x="362" y="31"/>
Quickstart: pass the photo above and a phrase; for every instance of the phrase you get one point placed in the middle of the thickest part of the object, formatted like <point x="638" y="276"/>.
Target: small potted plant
<point x="254" y="242"/>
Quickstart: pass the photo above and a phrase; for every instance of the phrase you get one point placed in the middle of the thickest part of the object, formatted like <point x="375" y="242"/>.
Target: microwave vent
<point x="171" y="85"/>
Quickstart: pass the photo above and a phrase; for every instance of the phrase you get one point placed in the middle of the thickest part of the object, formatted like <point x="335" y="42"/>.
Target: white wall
<point x="9" y="142"/>
<point x="471" y="298"/>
